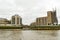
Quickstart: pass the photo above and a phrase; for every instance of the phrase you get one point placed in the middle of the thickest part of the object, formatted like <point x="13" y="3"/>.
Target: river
<point x="17" y="34"/>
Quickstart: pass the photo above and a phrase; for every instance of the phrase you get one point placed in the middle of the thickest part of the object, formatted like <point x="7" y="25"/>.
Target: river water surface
<point x="17" y="34"/>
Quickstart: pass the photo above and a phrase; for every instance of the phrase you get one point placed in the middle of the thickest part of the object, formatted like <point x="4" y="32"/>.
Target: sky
<point x="29" y="10"/>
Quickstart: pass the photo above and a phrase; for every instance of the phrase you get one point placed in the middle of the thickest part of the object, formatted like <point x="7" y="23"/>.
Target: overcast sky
<point x="29" y="10"/>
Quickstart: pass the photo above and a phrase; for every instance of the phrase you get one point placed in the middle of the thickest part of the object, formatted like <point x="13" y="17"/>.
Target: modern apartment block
<point x="50" y="19"/>
<point x="16" y="20"/>
<point x="41" y="21"/>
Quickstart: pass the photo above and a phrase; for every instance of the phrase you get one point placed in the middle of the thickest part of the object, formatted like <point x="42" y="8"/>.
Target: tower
<point x="51" y="17"/>
<point x="16" y="20"/>
<point x="55" y="16"/>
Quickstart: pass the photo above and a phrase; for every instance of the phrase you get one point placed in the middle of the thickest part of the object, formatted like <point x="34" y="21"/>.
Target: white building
<point x="16" y="20"/>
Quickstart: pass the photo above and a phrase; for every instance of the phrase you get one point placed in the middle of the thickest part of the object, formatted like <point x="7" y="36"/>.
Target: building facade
<point x="41" y="21"/>
<point x="4" y="21"/>
<point x="16" y="20"/>
<point x="51" y="19"/>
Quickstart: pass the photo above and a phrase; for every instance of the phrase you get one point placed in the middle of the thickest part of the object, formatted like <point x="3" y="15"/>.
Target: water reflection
<point x="39" y="35"/>
<point x="17" y="34"/>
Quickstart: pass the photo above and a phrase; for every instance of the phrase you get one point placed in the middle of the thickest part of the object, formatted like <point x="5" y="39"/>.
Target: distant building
<point x="51" y="19"/>
<point x="33" y="24"/>
<point x="41" y="21"/>
<point x="4" y="21"/>
<point x="16" y="20"/>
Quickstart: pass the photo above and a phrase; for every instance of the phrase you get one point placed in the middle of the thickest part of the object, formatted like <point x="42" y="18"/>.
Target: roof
<point x="16" y="15"/>
<point x="3" y="19"/>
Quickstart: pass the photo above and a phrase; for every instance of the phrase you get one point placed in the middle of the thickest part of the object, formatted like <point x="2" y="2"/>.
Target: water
<point x="17" y="34"/>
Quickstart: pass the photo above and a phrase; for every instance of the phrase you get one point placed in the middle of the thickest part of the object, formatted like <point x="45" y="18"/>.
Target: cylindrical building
<point x="16" y="20"/>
